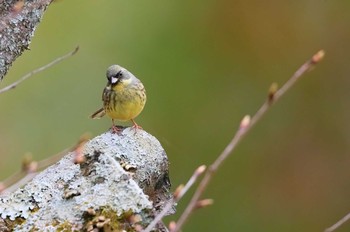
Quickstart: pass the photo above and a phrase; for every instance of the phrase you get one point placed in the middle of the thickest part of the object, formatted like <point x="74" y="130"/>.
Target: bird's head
<point x="118" y="75"/>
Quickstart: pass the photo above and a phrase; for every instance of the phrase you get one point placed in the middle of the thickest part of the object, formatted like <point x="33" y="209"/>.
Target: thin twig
<point x="246" y="126"/>
<point x="23" y="176"/>
<point x="59" y="59"/>
<point x="24" y="180"/>
<point x="179" y="194"/>
<point x="17" y="178"/>
<point x="338" y="224"/>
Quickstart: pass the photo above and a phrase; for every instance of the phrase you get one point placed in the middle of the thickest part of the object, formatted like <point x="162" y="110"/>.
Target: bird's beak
<point x="114" y="80"/>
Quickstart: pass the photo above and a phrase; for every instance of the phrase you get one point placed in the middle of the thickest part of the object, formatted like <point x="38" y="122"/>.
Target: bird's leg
<point x="135" y="126"/>
<point x="115" y="129"/>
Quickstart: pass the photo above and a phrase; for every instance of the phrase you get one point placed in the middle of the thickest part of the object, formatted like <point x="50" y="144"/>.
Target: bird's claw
<point x="136" y="126"/>
<point x="116" y="130"/>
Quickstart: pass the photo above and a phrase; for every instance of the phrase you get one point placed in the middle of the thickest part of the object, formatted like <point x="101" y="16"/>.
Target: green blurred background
<point x="205" y="64"/>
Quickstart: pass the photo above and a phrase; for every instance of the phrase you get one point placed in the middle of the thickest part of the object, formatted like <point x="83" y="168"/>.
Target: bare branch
<point x="338" y="224"/>
<point x="245" y="126"/>
<point x="30" y="167"/>
<point x="28" y="75"/>
<point x="180" y="191"/>
<point x="21" y="182"/>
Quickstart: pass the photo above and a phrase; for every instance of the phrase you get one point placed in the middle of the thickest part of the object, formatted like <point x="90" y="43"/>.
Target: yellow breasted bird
<point x="123" y="98"/>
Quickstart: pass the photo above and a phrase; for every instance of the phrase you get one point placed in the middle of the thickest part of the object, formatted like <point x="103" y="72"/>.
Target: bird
<point x="124" y="97"/>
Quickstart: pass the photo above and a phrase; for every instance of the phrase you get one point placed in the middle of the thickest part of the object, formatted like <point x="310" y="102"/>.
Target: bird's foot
<point x="136" y="126"/>
<point x="116" y="130"/>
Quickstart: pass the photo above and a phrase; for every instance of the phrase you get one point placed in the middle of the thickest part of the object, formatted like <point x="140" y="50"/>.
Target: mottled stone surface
<point x="126" y="173"/>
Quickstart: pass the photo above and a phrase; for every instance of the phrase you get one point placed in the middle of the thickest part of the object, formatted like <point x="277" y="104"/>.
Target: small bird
<point x="123" y="98"/>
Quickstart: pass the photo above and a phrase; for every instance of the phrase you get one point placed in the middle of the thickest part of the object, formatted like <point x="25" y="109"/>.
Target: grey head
<point x="117" y="74"/>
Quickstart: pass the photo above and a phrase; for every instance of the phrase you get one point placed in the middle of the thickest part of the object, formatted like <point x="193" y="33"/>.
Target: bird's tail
<point x="98" y="114"/>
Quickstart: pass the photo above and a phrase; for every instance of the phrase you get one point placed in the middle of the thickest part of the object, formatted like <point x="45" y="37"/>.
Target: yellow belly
<point x="125" y="111"/>
<point x="125" y="104"/>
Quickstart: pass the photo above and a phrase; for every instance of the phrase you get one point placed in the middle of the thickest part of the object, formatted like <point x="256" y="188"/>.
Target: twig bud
<point x="200" y="170"/>
<point x="204" y="203"/>
<point x="32" y="167"/>
<point x="272" y="91"/>
<point x="178" y="191"/>
<point x="26" y="162"/>
<point x="172" y="226"/>
<point x="79" y="158"/>
<point x="318" y="56"/>
<point x="245" y="122"/>
<point x="78" y="149"/>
